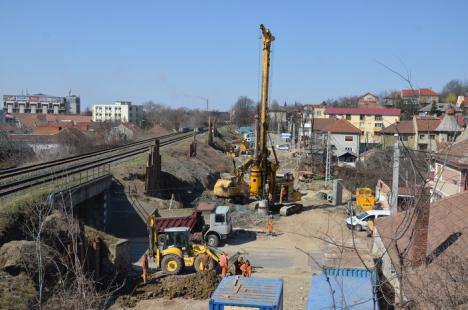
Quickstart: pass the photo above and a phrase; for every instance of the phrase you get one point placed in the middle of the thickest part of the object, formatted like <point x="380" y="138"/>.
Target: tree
<point x="244" y="111"/>
<point x="451" y="98"/>
<point x="433" y="109"/>
<point x="455" y="87"/>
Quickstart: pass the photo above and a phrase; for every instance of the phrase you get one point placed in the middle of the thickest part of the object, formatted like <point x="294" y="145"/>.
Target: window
<point x="349" y="149"/>
<point x="362" y="117"/>
<point x="378" y="117"/>
<point x="219" y="218"/>
<point x="432" y="137"/>
<point x="422" y="147"/>
<point x="348" y="138"/>
<point x="378" y="125"/>
<point x="361" y="124"/>
<point x="422" y="136"/>
<point x="319" y="113"/>
<point x="404" y="138"/>
<point x="348" y="117"/>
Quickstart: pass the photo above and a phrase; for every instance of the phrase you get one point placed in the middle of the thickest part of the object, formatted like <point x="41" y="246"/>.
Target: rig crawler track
<point x="17" y="179"/>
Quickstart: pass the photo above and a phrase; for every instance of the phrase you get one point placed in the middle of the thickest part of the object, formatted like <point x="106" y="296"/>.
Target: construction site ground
<point x="302" y="245"/>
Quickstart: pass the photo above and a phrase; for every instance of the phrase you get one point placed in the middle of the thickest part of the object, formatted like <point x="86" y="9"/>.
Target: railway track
<point x="17" y="179"/>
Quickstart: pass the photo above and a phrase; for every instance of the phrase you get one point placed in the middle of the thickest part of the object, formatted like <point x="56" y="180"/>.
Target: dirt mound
<point x="20" y="256"/>
<point x="193" y="286"/>
<point x="16" y="292"/>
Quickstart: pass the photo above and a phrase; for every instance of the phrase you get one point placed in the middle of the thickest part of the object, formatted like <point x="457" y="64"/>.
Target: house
<point x="449" y="170"/>
<point x="424" y="133"/>
<point x="421" y="255"/>
<point x="405" y="130"/>
<point x="438" y="109"/>
<point x="383" y="192"/>
<point x="370" y="121"/>
<point x="344" y="140"/>
<point x="119" y="111"/>
<point x="369" y="101"/>
<point x="420" y="97"/>
<point x="314" y="110"/>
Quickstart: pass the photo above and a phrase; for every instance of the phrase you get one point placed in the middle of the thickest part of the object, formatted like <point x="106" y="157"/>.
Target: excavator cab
<point x="177" y="237"/>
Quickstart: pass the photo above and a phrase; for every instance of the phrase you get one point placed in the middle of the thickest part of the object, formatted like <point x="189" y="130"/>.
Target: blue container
<point x="256" y="293"/>
<point x="343" y="288"/>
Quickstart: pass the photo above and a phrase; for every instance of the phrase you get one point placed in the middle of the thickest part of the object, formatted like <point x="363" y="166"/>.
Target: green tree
<point x="451" y="98"/>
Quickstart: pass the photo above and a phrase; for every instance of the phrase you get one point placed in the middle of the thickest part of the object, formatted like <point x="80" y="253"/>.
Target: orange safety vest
<point x="223" y="261"/>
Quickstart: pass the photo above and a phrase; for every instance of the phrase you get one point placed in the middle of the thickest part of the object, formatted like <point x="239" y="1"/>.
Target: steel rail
<point x="80" y="167"/>
<point x="6" y="173"/>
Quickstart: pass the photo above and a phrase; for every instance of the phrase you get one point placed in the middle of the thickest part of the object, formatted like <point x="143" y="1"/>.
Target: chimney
<point x="418" y="243"/>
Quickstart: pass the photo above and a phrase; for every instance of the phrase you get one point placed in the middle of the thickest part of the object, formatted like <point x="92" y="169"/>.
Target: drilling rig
<point x="263" y="181"/>
<point x="263" y="171"/>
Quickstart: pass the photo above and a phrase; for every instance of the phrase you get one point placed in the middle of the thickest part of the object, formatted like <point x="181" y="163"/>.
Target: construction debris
<point x="194" y="286"/>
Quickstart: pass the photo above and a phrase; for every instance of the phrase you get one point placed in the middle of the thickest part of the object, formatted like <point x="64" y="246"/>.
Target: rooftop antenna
<point x="69" y="93"/>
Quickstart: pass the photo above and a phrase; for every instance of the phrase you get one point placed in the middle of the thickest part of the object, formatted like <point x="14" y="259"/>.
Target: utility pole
<point x="207" y="105"/>
<point x="327" y="162"/>
<point x="396" y="173"/>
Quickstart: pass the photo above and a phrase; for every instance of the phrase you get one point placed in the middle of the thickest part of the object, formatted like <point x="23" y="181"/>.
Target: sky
<point x="179" y="52"/>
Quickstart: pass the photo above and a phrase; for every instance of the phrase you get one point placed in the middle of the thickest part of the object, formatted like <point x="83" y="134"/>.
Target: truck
<point x="212" y="225"/>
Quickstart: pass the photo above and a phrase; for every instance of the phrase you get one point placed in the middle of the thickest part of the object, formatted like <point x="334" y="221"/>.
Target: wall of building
<point x="448" y="181"/>
<point x="338" y="140"/>
<point x="370" y="125"/>
<point x="408" y="140"/>
<point x="40" y="104"/>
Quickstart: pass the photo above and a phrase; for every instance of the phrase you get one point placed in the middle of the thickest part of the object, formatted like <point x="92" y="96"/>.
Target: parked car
<point x="282" y="147"/>
<point x="359" y="222"/>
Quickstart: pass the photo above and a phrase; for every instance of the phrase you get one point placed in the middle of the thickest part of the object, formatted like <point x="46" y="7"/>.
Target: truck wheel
<point x="358" y="227"/>
<point x="198" y="264"/>
<point x="171" y="264"/>
<point x="212" y="240"/>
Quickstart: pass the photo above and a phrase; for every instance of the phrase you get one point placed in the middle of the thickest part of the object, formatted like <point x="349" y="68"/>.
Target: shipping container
<point x="343" y="288"/>
<point x="236" y="292"/>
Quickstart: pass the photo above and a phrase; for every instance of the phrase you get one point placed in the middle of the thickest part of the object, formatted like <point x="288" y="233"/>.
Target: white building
<point x="119" y="111"/>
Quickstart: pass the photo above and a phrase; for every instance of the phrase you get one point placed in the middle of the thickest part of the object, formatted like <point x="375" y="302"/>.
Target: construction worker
<point x="237" y="264"/>
<point x="248" y="269"/>
<point x="144" y="267"/>
<point x="270" y="225"/>
<point x="223" y="263"/>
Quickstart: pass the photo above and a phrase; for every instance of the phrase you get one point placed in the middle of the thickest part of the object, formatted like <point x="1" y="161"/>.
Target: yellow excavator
<point x="233" y="186"/>
<point x="174" y="250"/>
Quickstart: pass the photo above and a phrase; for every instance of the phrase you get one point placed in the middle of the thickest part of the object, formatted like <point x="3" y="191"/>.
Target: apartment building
<point x="370" y="121"/>
<point x="119" y="111"/>
<point x="40" y="103"/>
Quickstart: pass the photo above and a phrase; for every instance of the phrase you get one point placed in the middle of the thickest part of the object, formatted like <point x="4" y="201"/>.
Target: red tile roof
<point x="342" y="126"/>
<point x="455" y="154"/>
<point x="321" y="123"/>
<point x="402" y="127"/>
<point x="418" y="92"/>
<point x="363" y="111"/>
<point x="427" y="123"/>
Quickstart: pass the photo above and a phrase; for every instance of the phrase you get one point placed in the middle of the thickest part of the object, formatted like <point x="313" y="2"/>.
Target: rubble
<point x="192" y="286"/>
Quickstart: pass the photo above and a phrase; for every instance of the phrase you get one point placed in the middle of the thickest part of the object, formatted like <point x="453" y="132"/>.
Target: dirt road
<point x="303" y="243"/>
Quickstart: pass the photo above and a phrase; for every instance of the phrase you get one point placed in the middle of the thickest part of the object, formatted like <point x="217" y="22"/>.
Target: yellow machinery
<point x="174" y="250"/>
<point x="233" y="186"/>
<point x="263" y="171"/>
<point x="365" y="199"/>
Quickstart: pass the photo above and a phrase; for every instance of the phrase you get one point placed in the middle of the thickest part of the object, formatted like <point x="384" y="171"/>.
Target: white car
<point x="283" y="147"/>
<point x="359" y="222"/>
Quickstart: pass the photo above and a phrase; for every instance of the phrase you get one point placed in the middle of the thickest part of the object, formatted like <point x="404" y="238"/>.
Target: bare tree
<point x="244" y="111"/>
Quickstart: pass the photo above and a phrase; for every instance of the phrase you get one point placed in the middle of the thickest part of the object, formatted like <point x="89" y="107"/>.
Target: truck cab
<point x="220" y="225"/>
